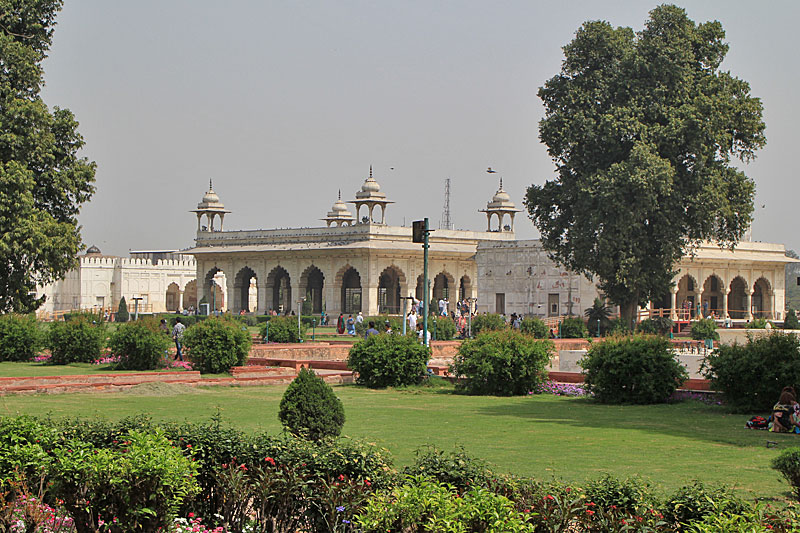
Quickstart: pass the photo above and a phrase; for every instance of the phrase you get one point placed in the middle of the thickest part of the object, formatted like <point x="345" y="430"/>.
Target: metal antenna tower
<point x="446" y="223"/>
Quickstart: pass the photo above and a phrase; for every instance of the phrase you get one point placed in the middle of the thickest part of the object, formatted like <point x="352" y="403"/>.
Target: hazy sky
<point x="283" y="103"/>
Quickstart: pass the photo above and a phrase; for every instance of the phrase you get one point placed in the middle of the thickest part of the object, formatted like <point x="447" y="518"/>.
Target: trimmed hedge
<point x="536" y="327"/>
<point x="76" y="341"/>
<point x="573" y="328"/>
<point x="283" y="329"/>
<point x="389" y="361"/>
<point x="638" y="369"/>
<point x="488" y="322"/>
<point x="751" y="375"/>
<point x="140" y="345"/>
<point x="217" y="344"/>
<point x="504" y="363"/>
<point x="20" y="337"/>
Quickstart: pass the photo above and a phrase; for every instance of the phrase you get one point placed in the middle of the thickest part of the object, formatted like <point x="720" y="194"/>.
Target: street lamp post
<point x="136" y="307"/>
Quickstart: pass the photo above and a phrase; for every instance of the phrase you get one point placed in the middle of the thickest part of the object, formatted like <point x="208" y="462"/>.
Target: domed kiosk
<point x="211" y="207"/>
<point x="500" y="206"/>
<point x="339" y="215"/>
<point x="370" y="195"/>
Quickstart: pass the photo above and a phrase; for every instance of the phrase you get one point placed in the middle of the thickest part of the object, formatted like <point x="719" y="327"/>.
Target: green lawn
<point x="9" y="369"/>
<point x="542" y="436"/>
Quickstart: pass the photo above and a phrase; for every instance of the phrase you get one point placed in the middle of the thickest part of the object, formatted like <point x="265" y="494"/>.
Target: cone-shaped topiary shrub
<point x="122" y="311"/>
<point x="310" y="408"/>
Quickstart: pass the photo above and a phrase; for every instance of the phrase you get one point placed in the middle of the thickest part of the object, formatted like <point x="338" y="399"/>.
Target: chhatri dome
<point x="500" y="206"/>
<point x="370" y="195"/>
<point x="211" y="207"/>
<point x="339" y="215"/>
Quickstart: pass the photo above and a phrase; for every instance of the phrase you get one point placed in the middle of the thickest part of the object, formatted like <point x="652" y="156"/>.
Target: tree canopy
<point x="43" y="181"/>
<point x="643" y="128"/>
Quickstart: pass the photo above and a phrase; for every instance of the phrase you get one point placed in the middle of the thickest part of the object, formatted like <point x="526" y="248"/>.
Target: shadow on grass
<point x="689" y="419"/>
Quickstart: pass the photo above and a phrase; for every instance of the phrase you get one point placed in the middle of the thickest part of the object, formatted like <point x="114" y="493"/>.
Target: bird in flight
<point x="490" y="171"/>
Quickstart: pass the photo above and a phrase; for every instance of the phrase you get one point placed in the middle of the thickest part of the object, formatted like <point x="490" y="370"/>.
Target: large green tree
<point x="43" y="181"/>
<point x="643" y="128"/>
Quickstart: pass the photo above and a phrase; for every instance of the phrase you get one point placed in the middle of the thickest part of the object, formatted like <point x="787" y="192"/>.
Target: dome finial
<point x="501" y="183"/>
<point x="370" y="171"/>
<point x="340" y="194"/>
<point x="210" y="188"/>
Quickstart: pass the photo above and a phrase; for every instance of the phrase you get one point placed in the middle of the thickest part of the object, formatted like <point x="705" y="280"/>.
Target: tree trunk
<point x="629" y="311"/>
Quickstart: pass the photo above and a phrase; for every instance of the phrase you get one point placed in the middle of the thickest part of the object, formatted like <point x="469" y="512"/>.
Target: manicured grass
<point x="542" y="436"/>
<point x="9" y="369"/>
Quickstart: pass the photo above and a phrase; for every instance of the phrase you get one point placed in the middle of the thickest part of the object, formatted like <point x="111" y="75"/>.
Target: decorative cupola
<point x="339" y="214"/>
<point x="500" y="206"/>
<point x="370" y="196"/>
<point x="211" y="207"/>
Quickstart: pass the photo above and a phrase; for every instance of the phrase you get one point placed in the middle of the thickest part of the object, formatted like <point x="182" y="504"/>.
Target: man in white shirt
<point x="359" y="318"/>
<point x="412" y="320"/>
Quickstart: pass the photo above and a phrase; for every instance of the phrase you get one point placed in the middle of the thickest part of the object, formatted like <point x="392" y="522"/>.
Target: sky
<point x="284" y="103"/>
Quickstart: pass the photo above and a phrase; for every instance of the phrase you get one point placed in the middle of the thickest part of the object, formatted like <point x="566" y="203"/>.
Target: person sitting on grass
<point x="784" y="413"/>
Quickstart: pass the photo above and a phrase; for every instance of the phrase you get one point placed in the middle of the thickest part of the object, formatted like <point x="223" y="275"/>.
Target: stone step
<point x="131" y="377"/>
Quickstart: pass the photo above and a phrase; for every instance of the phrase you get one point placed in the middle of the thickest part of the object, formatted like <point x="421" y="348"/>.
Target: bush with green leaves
<point x="751" y="375"/>
<point x="457" y="468"/>
<point x="488" y="322"/>
<point x="283" y="329"/>
<point x="657" y="325"/>
<point x="627" y="495"/>
<point x="790" y="321"/>
<point x="424" y="504"/>
<point x="535" y="326"/>
<point x="137" y="484"/>
<point x="638" y="369"/>
<point x="389" y="361"/>
<point x="122" y="311"/>
<point x="310" y="408"/>
<point x="20" y="337"/>
<point x="140" y="345"/>
<point x="504" y="363"/>
<point x="444" y="328"/>
<point x="216" y="345"/>
<point x="758" y="323"/>
<point x="788" y="464"/>
<point x="76" y="341"/>
<point x="692" y="503"/>
<point x="618" y="327"/>
<point x="705" y="328"/>
<point x="573" y="328"/>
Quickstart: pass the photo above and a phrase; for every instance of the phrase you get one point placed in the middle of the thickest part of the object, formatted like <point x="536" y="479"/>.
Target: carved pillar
<point x="673" y="298"/>
<point x="748" y="305"/>
<point x="725" y="296"/>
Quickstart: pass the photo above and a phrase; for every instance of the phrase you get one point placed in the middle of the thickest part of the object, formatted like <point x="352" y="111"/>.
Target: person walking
<point x="412" y="320"/>
<point x="177" y="336"/>
<point x="340" y="324"/>
<point x="351" y="325"/>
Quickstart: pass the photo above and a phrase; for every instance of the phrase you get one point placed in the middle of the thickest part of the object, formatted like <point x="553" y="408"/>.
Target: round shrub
<point x="504" y="363"/>
<point x="20" y="338"/>
<point x="310" y="408"/>
<point x="215" y="345"/>
<point x="536" y="327"/>
<point x="444" y="327"/>
<point x="488" y="322"/>
<point x="627" y="495"/>
<point x="573" y="328"/>
<point x="751" y="375"/>
<point x="76" y="341"/>
<point x="283" y="329"/>
<point x="788" y="464"/>
<point x="140" y="345"/>
<point x="639" y="369"/>
<point x="705" y="328"/>
<point x="380" y="324"/>
<point x="389" y="360"/>
<point x="791" y="322"/>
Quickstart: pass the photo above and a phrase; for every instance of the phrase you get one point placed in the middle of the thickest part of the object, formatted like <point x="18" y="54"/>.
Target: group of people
<point x="786" y="413"/>
<point x="348" y="324"/>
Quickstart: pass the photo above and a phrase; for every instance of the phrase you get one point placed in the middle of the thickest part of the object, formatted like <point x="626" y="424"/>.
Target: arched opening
<point x="173" y="298"/>
<point x="761" y="302"/>
<point x="215" y="289"/>
<point x="441" y="286"/>
<point x="243" y="285"/>
<point x="351" y="291"/>
<point x="190" y="295"/>
<point x="464" y="287"/>
<point x="312" y="282"/>
<point x="687" y="298"/>
<point x="279" y="286"/>
<point x="712" y="296"/>
<point x="737" y="299"/>
<point x="389" y="290"/>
